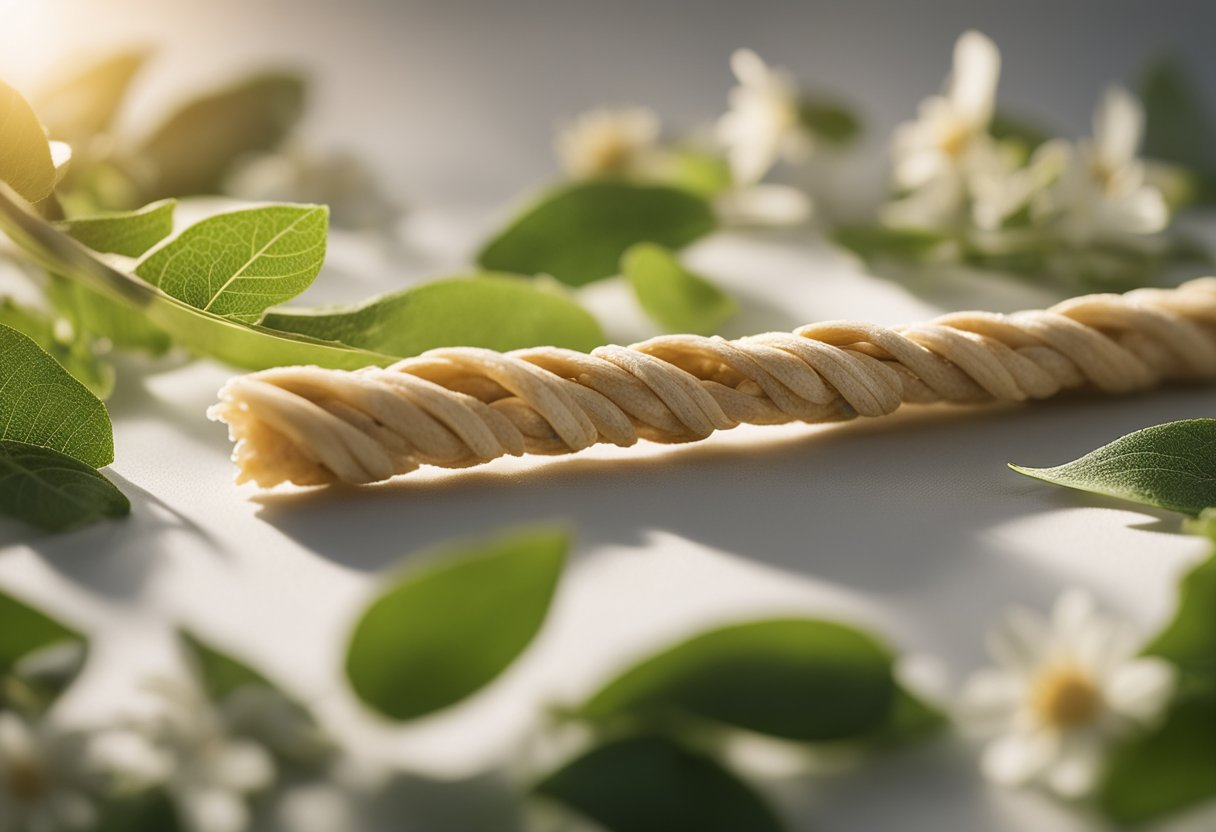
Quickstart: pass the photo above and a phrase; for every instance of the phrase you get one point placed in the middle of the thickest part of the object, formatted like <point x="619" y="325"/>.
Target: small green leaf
<point x="677" y="299"/>
<point x="1189" y="640"/>
<point x="53" y="491"/>
<point x="651" y="784"/>
<point x="1027" y="134"/>
<point x="829" y="120"/>
<point x="1171" y="466"/>
<point x="42" y="404"/>
<point x="1179" y="125"/>
<point x="1167" y="769"/>
<point x="442" y="633"/>
<point x="72" y="350"/>
<point x="799" y="679"/>
<point x="101" y="316"/>
<point x="129" y="233"/>
<point x="873" y="242"/>
<point x="25" y="153"/>
<point x="707" y="174"/>
<point x="25" y="631"/>
<point x="83" y="105"/>
<point x="578" y="233"/>
<point x="200" y="145"/>
<point x="1204" y="524"/>
<point x="239" y="264"/>
<point x="220" y="673"/>
<point x="498" y="312"/>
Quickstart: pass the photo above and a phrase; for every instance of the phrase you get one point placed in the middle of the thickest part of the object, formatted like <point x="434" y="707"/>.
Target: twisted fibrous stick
<point x="463" y="406"/>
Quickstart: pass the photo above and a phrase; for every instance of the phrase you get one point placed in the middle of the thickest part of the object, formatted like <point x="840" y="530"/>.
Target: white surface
<point x="911" y="525"/>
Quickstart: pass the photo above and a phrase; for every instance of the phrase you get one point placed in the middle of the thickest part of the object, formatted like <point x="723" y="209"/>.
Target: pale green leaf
<point x="578" y="233"/>
<point x="1189" y="640"/>
<point x="25" y="153"/>
<point x="1171" y="466"/>
<point x="42" y="404"/>
<point x="498" y="312"/>
<point x="82" y="105"/>
<point x="874" y="242"/>
<point x="699" y="171"/>
<point x="52" y="490"/>
<point x="443" y="632"/>
<point x="799" y="679"/>
<point x="100" y="316"/>
<point x="237" y="265"/>
<point x="73" y="350"/>
<point x="677" y="299"/>
<point x="129" y="233"/>
<point x="652" y="784"/>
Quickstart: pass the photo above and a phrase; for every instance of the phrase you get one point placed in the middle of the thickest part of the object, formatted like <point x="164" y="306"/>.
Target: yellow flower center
<point x="610" y="153"/>
<point x="953" y="140"/>
<point x="1065" y="697"/>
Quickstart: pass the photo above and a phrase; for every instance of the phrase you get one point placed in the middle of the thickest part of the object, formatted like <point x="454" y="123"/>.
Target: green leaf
<point x="443" y="632"/>
<point x="220" y="673"/>
<point x="41" y="404"/>
<point x="25" y="153"/>
<point x="578" y="233"/>
<point x="498" y="312"/>
<point x="799" y="679"/>
<point x="651" y="784"/>
<point x="25" y="631"/>
<point x="129" y="233"/>
<point x="1027" y="134"/>
<point x="100" y="316"/>
<point x="707" y="174"/>
<point x="1171" y="466"/>
<point x="53" y="491"/>
<point x="74" y="352"/>
<point x="239" y="264"/>
<point x="83" y="105"/>
<point x="1204" y="524"/>
<point x="872" y="242"/>
<point x="1179" y="126"/>
<point x="829" y="120"/>
<point x="909" y="719"/>
<point x="1167" y="769"/>
<point x="677" y="299"/>
<point x="1189" y="640"/>
<point x="148" y="811"/>
<point x="200" y="145"/>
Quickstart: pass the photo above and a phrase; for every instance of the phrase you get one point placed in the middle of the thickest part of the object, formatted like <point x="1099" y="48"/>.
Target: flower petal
<point x="1141" y="688"/>
<point x="242" y="766"/>
<point x="1076" y="768"/>
<point x="1020" y="641"/>
<point x="1118" y="126"/>
<point x="990" y="700"/>
<point x="213" y="810"/>
<point x="973" y="80"/>
<point x="1018" y="758"/>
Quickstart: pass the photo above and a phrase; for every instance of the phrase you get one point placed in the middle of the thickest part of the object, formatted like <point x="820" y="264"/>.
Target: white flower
<point x="1102" y="192"/>
<point x="43" y="778"/>
<point x="763" y="205"/>
<point x="763" y="123"/>
<point x="1064" y="687"/>
<point x="605" y="142"/>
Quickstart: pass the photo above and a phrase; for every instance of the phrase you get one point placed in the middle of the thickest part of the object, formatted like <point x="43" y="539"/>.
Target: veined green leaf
<point x="652" y="784"/>
<point x="72" y="350"/>
<point x="1189" y="640"/>
<point x="873" y="242"/>
<point x="42" y="404"/>
<point x="25" y="153"/>
<point x="829" y="120"/>
<point x="1178" y="125"/>
<point x="1171" y="466"/>
<point x="677" y="299"/>
<point x="129" y="233"/>
<point x="199" y="146"/>
<point x="54" y="491"/>
<point x="799" y="679"/>
<point x="498" y="312"/>
<point x="239" y="264"/>
<point x="84" y="104"/>
<point x="578" y="233"/>
<point x="443" y="632"/>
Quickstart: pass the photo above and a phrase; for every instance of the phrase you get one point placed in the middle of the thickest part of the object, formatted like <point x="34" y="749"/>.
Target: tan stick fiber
<point x="459" y="407"/>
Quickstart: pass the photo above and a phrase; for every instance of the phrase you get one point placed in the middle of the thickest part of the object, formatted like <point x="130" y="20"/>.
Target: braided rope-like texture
<point x="458" y="407"/>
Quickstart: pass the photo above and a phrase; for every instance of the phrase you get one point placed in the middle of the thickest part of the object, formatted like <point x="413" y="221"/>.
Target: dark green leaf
<point x="677" y="299"/>
<point x="236" y="265"/>
<point x="1179" y="127"/>
<point x="909" y="719"/>
<point x="54" y="491"/>
<point x="129" y="233"/>
<point x="25" y="153"/>
<point x="1171" y="466"/>
<point x="872" y="242"/>
<point x="443" y="632"/>
<point x="829" y="120"/>
<point x="651" y="784"/>
<point x="498" y="312"/>
<point x="150" y="811"/>
<point x="578" y="233"/>
<point x="71" y="349"/>
<point x="1189" y="640"/>
<point x="83" y="105"/>
<point x="200" y="145"/>
<point x="42" y="404"/>
<point x="25" y="631"/>
<point x="799" y="679"/>
<point x="1171" y="767"/>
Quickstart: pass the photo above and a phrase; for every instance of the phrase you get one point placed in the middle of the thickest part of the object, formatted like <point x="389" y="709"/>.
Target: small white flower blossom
<point x="763" y="124"/>
<point x="604" y="142"/>
<point x="1102" y="192"/>
<point x="1064" y="687"/>
<point x="45" y="778"/>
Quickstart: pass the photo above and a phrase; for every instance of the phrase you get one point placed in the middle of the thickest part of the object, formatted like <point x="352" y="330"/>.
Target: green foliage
<point x="876" y="242"/>
<point x="1171" y="466"/>
<point x="1014" y="129"/>
<point x="701" y="172"/>
<point x="100" y="316"/>
<point x="24" y="631"/>
<point x="1179" y="126"/>
<point x="577" y="233"/>
<point x="798" y="679"/>
<point x="83" y="105"/>
<point x="829" y="120"/>
<point x="30" y="641"/>
<point x="652" y="784"/>
<point x="443" y="632"/>
<point x="54" y="491"/>
<point x="219" y="672"/>
<point x="677" y="299"/>
<point x="498" y="312"/>
<point x="148" y="811"/>
<point x="25" y="153"/>
<point x="74" y="351"/>
<point x="42" y="404"/>
<point x="236" y="265"/>
<point x="129" y="233"/>
<point x="198" y="147"/>
<point x="1189" y="640"/>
